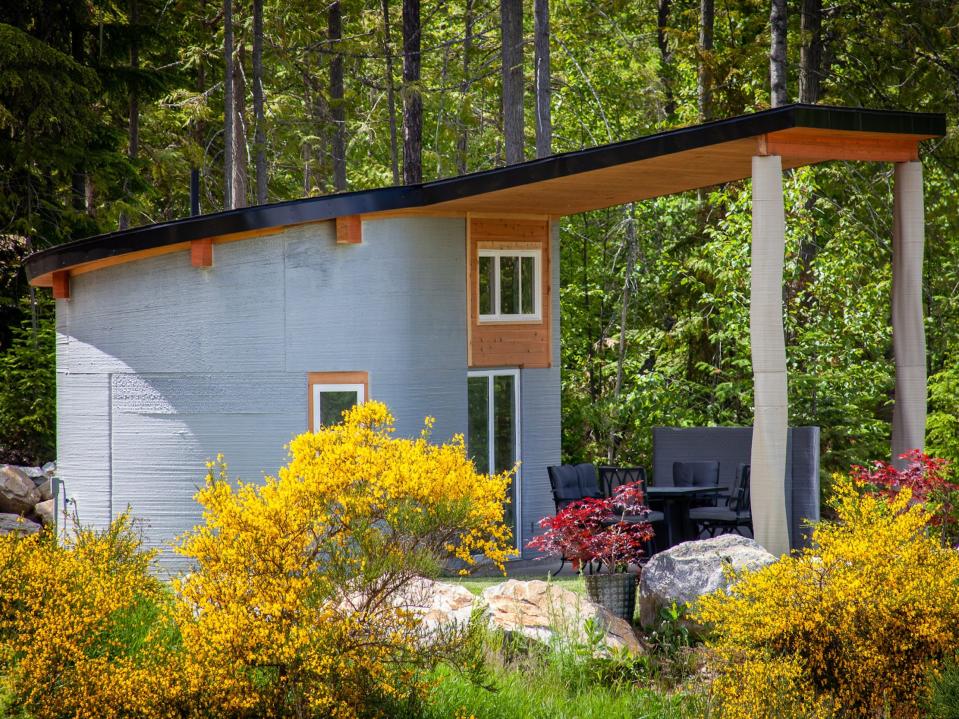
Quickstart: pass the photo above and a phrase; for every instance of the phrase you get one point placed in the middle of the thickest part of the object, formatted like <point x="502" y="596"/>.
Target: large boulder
<point x="14" y="523"/>
<point x="45" y="488"/>
<point x="684" y="573"/>
<point x="549" y="613"/>
<point x="18" y="493"/>
<point x="46" y="511"/>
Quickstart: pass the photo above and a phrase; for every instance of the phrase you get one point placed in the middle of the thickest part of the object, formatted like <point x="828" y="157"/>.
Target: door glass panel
<point x="528" y="279"/>
<point x="477" y="440"/>
<point x="509" y="285"/>
<point x="486" y="285"/>
<point x="504" y="436"/>
<point x="333" y="404"/>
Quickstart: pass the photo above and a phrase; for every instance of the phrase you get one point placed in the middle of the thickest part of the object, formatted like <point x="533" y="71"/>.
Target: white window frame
<point x="496" y="254"/>
<point x="518" y="421"/>
<point x="319" y="389"/>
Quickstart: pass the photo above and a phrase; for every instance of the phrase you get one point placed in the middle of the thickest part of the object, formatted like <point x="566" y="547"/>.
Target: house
<point x="232" y="332"/>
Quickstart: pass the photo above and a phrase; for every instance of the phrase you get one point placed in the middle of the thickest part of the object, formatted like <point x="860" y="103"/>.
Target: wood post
<point x="768" y="343"/>
<point x="908" y="333"/>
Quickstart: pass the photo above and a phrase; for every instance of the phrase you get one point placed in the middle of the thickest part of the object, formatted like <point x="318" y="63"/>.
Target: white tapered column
<point x="908" y="333"/>
<point x="767" y="339"/>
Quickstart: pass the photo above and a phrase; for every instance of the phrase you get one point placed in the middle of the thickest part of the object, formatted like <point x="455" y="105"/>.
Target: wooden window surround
<point x="315" y="380"/>
<point x="508" y="343"/>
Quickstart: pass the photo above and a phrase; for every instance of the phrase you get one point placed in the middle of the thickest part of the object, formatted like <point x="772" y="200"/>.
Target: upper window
<point x="509" y="285"/>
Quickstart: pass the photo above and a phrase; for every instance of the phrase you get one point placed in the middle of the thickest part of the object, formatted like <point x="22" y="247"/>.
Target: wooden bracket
<point x="349" y="230"/>
<point x="61" y="285"/>
<point x="201" y="253"/>
<point x="807" y="147"/>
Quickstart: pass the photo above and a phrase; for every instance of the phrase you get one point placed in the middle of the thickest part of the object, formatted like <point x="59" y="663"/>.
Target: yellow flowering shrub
<point x="850" y="627"/>
<point x="291" y="609"/>
<point x="82" y="627"/>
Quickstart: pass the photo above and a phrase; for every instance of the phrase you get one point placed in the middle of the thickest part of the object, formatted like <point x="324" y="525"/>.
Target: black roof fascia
<point x="327" y="207"/>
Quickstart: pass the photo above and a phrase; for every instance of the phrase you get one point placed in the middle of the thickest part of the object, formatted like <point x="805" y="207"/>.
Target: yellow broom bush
<point x="291" y="609"/>
<point x="82" y="628"/>
<point x="850" y="627"/>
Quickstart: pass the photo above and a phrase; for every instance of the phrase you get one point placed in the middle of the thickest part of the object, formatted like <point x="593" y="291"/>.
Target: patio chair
<point x="571" y="483"/>
<point x="697" y="474"/>
<point x="732" y="516"/>
<point x="612" y="477"/>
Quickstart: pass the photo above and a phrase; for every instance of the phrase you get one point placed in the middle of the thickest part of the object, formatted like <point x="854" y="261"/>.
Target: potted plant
<point x="609" y="532"/>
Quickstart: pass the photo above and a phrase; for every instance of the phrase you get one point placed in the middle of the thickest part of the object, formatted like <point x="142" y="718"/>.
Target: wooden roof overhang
<point x="662" y="164"/>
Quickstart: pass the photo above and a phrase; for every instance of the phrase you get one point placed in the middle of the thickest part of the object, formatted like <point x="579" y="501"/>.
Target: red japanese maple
<point x="597" y="530"/>
<point x="928" y="478"/>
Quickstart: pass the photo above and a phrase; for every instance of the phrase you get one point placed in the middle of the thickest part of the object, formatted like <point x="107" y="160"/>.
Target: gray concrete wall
<point x="161" y="366"/>
<point x="541" y="430"/>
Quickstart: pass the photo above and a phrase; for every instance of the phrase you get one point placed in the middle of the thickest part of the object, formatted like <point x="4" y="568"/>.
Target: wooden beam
<point x="201" y="253"/>
<point x="61" y="285"/>
<point x="349" y="230"/>
<point x="806" y="146"/>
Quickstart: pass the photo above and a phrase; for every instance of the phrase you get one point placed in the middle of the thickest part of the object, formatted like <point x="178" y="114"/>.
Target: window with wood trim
<point x="509" y="285"/>
<point x="332" y="393"/>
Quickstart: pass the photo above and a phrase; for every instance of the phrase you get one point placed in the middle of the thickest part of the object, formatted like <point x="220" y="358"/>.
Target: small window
<point x="509" y="285"/>
<point x="332" y="393"/>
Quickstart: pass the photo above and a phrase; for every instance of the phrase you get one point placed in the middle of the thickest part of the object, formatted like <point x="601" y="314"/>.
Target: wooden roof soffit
<point x="801" y="146"/>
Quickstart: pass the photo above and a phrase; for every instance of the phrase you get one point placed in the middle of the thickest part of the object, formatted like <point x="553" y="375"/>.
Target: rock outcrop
<point x="550" y="613"/>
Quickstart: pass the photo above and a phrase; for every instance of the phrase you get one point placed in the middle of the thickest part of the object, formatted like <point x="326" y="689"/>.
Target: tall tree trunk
<point x="259" y="133"/>
<point x="133" y="117"/>
<point x="412" y="97"/>
<point x="511" y="21"/>
<point x="228" y="104"/>
<point x="462" y="141"/>
<point x="665" y="56"/>
<point x="337" y="108"/>
<point x="544" y="119"/>
<point x="777" y="54"/>
<point x="810" y="53"/>
<point x="707" y="18"/>
<point x="391" y="91"/>
<point x="239" y="131"/>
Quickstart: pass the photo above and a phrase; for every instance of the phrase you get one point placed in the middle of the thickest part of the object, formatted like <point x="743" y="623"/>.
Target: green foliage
<point x="28" y="392"/>
<point x="942" y="424"/>
<point x="944" y="693"/>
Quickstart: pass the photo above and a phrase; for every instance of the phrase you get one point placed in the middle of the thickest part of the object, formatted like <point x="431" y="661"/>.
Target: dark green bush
<point x="944" y="693"/>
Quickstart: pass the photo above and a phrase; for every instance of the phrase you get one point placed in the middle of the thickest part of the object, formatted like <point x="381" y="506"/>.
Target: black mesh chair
<point x="571" y="483"/>
<point x="697" y="474"/>
<point x="731" y="516"/>
<point x="612" y="477"/>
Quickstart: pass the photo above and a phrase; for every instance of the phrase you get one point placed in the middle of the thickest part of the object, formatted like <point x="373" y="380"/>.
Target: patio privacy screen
<point x="731" y="446"/>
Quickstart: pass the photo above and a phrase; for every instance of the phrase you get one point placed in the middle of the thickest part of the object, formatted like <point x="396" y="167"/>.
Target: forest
<point x="119" y="113"/>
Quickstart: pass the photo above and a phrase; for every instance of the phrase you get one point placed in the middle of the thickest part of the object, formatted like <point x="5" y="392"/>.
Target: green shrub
<point x="944" y="693"/>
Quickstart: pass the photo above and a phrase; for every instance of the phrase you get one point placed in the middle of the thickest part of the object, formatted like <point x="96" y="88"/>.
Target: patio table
<point x="675" y="501"/>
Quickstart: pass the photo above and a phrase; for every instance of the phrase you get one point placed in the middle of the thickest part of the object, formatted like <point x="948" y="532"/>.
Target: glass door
<point x="493" y="432"/>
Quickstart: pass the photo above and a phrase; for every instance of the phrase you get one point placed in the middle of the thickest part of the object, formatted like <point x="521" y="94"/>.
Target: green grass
<point x="477" y="584"/>
<point x="515" y="694"/>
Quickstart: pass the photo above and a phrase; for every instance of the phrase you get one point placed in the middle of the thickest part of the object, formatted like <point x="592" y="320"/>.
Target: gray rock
<point x="33" y="473"/>
<point x="684" y="573"/>
<point x="18" y="494"/>
<point x="549" y="613"/>
<point x="46" y="511"/>
<point x="10" y="523"/>
<point x="45" y="488"/>
<point x="50" y="469"/>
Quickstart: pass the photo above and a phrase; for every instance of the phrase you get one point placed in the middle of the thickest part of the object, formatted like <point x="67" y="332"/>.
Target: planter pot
<point x="614" y="592"/>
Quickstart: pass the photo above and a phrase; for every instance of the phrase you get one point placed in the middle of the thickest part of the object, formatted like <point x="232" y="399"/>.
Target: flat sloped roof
<point x="655" y="165"/>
